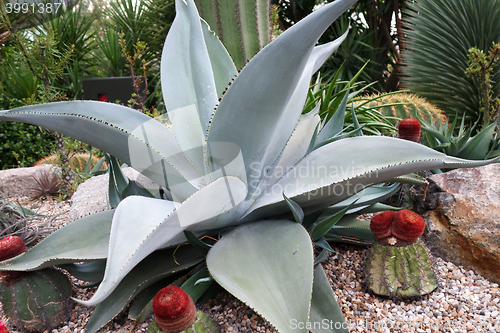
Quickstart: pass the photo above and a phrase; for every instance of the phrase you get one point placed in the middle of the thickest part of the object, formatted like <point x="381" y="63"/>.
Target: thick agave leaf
<point x="142" y="225"/>
<point x="342" y="168"/>
<point x="155" y="267"/>
<point x="254" y="112"/>
<point x="351" y="230"/>
<point x="326" y="315"/>
<point x="83" y="239"/>
<point x="269" y="266"/>
<point x="297" y="145"/>
<point x="195" y="68"/>
<point x="138" y="140"/>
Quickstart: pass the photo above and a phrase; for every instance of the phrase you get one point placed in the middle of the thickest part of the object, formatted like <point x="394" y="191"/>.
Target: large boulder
<point x="92" y="195"/>
<point x="19" y="182"/>
<point x="462" y="213"/>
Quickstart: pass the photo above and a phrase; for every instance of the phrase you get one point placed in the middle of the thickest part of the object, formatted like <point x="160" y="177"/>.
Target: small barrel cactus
<point x="175" y="312"/>
<point x="34" y="301"/>
<point x="409" y="129"/>
<point x="411" y="107"/>
<point x="77" y="161"/>
<point x="399" y="264"/>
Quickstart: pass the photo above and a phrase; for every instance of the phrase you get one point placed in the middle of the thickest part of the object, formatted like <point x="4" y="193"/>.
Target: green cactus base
<point x="204" y="324"/>
<point x="400" y="271"/>
<point x="38" y="302"/>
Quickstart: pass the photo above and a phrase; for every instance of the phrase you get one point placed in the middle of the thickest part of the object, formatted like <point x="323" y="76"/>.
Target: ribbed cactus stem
<point x="241" y="25"/>
<point x="407" y="106"/>
<point x="405" y="271"/>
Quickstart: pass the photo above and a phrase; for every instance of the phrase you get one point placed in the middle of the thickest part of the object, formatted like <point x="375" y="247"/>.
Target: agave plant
<point x="238" y="161"/>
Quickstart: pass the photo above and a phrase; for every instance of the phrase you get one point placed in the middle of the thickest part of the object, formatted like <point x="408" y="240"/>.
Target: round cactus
<point x="39" y="301"/>
<point x="410" y="106"/>
<point x="409" y="129"/>
<point x="175" y="312"/>
<point x="34" y="301"/>
<point x="405" y="271"/>
<point x="174" y="309"/>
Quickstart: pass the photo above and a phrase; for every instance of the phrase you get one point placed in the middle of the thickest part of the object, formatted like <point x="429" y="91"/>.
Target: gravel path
<point x="465" y="302"/>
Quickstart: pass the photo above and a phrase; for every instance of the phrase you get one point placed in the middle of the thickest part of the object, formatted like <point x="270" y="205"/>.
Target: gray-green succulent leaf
<point x="261" y="263"/>
<point x="82" y="240"/>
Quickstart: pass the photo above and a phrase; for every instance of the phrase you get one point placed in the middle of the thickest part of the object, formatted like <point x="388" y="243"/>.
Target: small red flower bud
<point x="409" y="129"/>
<point x="381" y="224"/>
<point x="11" y="246"/>
<point x="3" y="325"/>
<point x="408" y="225"/>
<point x="400" y="228"/>
<point x="174" y="310"/>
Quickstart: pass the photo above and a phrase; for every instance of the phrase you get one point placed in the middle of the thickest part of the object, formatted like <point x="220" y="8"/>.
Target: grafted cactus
<point x="399" y="264"/>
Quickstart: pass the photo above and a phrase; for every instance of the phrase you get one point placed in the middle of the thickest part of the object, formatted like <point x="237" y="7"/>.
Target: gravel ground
<point x="464" y="302"/>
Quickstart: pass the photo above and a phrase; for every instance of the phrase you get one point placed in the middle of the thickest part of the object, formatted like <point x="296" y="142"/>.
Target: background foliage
<point x="439" y="36"/>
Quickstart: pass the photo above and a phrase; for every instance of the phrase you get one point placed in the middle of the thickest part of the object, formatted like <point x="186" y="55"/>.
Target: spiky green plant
<point x="439" y="36"/>
<point x="225" y="173"/>
<point x="403" y="105"/>
<point x="399" y="264"/>
<point x="444" y="138"/>
<point x="242" y="26"/>
<point x="404" y="272"/>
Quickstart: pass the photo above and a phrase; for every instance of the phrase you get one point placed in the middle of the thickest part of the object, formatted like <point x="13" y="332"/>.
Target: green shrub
<point x="23" y="144"/>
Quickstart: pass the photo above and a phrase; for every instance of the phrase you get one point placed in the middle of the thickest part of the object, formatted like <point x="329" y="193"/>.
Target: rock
<point x="462" y="213"/>
<point x="92" y="195"/>
<point x="19" y="181"/>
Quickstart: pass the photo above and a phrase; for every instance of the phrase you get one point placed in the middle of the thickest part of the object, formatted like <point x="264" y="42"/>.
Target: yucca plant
<point x="238" y="158"/>
<point x="439" y="36"/>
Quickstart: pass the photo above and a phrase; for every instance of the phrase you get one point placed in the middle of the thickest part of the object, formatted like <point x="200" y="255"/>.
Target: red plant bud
<point x="408" y="225"/>
<point x="409" y="129"/>
<point x="3" y="325"/>
<point x="11" y="246"/>
<point x="174" y="310"/>
<point x="381" y="224"/>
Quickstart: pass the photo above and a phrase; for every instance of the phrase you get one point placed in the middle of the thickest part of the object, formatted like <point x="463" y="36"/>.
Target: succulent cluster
<point x="399" y="264"/>
<point x="34" y="301"/>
